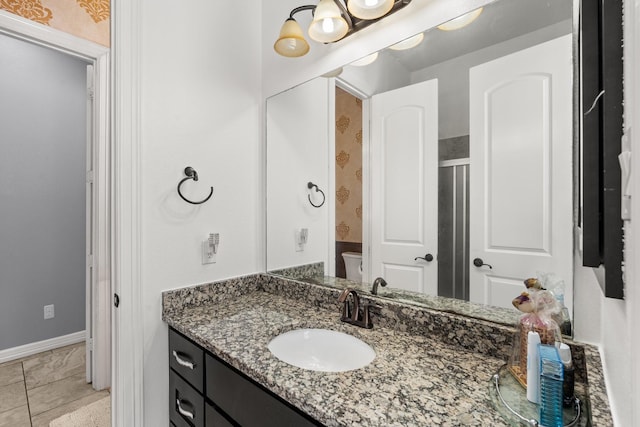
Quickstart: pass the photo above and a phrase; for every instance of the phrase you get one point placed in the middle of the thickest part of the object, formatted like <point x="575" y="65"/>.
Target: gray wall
<point x="42" y="192"/>
<point x="453" y="77"/>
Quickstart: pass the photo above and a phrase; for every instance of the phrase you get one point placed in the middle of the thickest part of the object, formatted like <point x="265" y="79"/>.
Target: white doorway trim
<point x="366" y="174"/>
<point x="98" y="56"/>
<point x="127" y="401"/>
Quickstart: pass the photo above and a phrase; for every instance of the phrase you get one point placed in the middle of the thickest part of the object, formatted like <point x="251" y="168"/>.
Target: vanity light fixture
<point x="291" y="42"/>
<point x="333" y="73"/>
<point x="369" y="59"/>
<point x="408" y="43"/>
<point x="332" y="21"/>
<point x="328" y="25"/>
<point x="369" y="9"/>
<point x="460" y="21"/>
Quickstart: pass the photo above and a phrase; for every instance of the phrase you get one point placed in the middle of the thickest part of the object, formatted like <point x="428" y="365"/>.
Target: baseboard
<point x="40" y="346"/>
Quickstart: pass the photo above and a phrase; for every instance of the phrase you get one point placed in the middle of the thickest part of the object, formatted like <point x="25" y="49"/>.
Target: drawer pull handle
<point x="181" y="361"/>
<point x="184" y="412"/>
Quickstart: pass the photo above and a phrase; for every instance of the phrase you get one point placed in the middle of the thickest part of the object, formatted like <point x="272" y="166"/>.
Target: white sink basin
<point x="321" y="350"/>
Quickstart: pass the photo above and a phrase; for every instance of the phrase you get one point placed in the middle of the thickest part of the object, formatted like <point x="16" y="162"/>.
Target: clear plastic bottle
<point x="564" y="318"/>
<point x="568" y="383"/>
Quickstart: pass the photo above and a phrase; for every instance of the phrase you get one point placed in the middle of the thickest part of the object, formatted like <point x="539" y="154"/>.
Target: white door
<point x="521" y="188"/>
<point x="89" y="217"/>
<point x="404" y="187"/>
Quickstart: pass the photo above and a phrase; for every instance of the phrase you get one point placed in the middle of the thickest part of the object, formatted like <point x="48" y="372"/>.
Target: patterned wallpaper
<point x="348" y="167"/>
<point x="88" y="19"/>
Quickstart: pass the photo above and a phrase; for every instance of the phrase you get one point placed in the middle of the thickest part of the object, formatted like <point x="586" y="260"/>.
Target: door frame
<point x="97" y="56"/>
<point x="127" y="400"/>
<point x="366" y="168"/>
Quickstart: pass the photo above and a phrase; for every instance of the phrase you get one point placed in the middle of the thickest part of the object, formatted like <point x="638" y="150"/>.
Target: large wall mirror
<point x="443" y="164"/>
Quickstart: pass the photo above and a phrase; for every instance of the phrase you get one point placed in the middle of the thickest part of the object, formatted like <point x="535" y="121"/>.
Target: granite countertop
<point x="314" y="274"/>
<point x="416" y="378"/>
<point x="451" y="305"/>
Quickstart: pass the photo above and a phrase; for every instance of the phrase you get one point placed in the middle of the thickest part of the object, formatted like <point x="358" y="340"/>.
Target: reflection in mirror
<point x="447" y="161"/>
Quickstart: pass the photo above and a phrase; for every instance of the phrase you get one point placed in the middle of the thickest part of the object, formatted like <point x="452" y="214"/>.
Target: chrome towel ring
<point x="192" y="174"/>
<point x="311" y="185"/>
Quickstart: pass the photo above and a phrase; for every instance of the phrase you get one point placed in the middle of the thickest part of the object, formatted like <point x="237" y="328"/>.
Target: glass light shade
<point x="333" y="73"/>
<point x="328" y="25"/>
<point x="369" y="9"/>
<point x="460" y="21"/>
<point x="291" y="42"/>
<point x="366" y="60"/>
<point x="408" y="43"/>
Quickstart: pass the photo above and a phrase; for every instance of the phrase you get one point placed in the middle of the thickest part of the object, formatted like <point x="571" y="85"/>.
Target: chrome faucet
<point x="352" y="313"/>
<point x="378" y="282"/>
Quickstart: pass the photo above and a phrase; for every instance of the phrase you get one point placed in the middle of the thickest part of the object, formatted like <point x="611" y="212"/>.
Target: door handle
<point x="478" y="262"/>
<point x="427" y="257"/>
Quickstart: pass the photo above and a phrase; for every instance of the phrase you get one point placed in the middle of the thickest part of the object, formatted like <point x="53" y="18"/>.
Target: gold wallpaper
<point x="88" y="19"/>
<point x="348" y="167"/>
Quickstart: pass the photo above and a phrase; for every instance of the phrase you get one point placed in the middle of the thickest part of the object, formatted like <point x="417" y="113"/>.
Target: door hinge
<point x="89" y="260"/>
<point x="90" y="94"/>
<point x="90" y="177"/>
<point x="116" y="300"/>
<point x="90" y="344"/>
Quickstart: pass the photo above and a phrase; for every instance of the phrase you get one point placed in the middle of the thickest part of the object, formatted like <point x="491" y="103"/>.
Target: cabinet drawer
<point x="215" y="418"/>
<point x="187" y="359"/>
<point x="186" y="405"/>
<point x="246" y="402"/>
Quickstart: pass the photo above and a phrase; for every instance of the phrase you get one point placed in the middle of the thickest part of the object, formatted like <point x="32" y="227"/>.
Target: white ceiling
<point x="499" y="21"/>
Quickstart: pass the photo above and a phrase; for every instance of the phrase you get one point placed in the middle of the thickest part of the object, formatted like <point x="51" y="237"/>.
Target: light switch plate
<point x="208" y="256"/>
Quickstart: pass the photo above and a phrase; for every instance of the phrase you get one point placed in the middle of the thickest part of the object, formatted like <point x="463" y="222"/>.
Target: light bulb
<point x="327" y="25"/>
<point x="408" y="43"/>
<point x="366" y="60"/>
<point x="460" y="21"/>
<point x="369" y="9"/>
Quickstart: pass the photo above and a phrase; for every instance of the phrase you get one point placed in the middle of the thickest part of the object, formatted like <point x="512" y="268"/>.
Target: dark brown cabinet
<point x="205" y="391"/>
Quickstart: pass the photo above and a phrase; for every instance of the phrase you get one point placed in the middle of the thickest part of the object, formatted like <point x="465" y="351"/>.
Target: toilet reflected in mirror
<point x="353" y="265"/>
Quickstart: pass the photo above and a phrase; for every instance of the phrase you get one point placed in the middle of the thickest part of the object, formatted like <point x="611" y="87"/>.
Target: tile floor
<point x="42" y="387"/>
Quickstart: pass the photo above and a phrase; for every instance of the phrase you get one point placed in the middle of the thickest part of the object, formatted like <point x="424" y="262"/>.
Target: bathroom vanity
<point x="204" y="390"/>
<point x="431" y="367"/>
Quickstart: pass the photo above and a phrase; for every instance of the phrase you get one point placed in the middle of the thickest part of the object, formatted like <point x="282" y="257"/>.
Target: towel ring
<point x="192" y="174"/>
<point x="311" y="185"/>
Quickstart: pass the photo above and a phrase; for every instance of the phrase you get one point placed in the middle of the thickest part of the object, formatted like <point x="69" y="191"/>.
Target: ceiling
<point x="500" y="21"/>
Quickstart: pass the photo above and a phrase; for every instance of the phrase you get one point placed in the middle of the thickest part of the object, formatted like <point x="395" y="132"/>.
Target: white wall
<point x="200" y="107"/>
<point x="299" y="140"/>
<point x="619" y="344"/>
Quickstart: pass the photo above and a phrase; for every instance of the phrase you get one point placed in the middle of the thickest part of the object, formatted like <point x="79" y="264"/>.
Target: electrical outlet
<point x="49" y="311"/>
